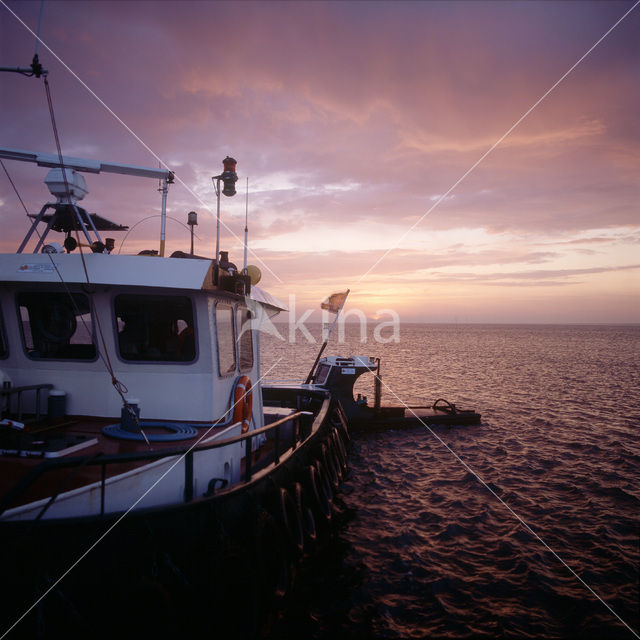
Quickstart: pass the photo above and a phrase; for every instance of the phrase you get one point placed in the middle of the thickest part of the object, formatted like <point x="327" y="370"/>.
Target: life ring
<point x="243" y="402"/>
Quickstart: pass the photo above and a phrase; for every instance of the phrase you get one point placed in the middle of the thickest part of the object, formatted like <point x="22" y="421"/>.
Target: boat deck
<point x="82" y="439"/>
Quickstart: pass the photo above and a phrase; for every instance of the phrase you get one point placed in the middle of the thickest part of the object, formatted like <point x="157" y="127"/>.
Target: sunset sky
<point x="351" y="120"/>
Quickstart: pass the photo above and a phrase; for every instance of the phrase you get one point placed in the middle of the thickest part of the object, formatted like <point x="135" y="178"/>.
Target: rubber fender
<point x="238" y="587"/>
<point x="341" y="451"/>
<point x="324" y="482"/>
<point x="319" y="492"/>
<point x="327" y="459"/>
<point x="271" y="559"/>
<point x="337" y="421"/>
<point x="306" y="517"/>
<point x="147" y="608"/>
<point x="333" y="448"/>
<point x="291" y="522"/>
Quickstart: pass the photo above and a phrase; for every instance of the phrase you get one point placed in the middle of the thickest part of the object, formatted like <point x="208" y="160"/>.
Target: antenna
<point x="35" y="58"/>
<point x="36" y="68"/>
<point x="246" y="229"/>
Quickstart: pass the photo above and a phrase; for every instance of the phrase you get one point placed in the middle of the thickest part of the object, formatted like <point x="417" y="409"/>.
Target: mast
<point x="229" y="177"/>
<point x="163" y="215"/>
<point x="246" y="229"/>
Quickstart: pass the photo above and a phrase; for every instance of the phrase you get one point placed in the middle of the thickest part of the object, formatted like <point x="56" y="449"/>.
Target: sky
<point x="377" y="140"/>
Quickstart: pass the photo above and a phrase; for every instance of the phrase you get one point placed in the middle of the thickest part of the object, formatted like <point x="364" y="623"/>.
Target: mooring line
<point x="521" y="520"/>
<point x="126" y="513"/>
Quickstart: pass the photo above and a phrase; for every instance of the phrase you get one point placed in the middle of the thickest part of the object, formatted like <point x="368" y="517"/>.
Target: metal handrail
<point x="33" y="474"/>
<point x="8" y="392"/>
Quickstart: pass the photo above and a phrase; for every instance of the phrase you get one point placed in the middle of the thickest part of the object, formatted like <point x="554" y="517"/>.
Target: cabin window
<point x="245" y="339"/>
<point x="225" y="339"/>
<point x="57" y="325"/>
<point x="155" y="328"/>
<point x="4" y="349"/>
<point x="322" y="373"/>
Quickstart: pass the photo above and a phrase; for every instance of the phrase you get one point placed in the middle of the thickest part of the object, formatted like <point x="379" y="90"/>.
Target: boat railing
<point x="302" y="429"/>
<point x="7" y="393"/>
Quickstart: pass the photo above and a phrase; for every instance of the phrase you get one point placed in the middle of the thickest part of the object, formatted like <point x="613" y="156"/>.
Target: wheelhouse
<point x="178" y="349"/>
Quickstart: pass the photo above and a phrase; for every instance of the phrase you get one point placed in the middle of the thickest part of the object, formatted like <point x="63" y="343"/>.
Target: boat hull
<point x="223" y="561"/>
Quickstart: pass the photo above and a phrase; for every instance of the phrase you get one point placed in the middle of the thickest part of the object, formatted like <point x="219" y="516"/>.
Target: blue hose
<point x="179" y="431"/>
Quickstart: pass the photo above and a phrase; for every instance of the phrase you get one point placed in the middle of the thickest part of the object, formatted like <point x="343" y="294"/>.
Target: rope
<point x="24" y="206"/>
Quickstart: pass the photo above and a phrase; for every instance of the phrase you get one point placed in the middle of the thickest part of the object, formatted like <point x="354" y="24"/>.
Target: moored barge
<point x="339" y="375"/>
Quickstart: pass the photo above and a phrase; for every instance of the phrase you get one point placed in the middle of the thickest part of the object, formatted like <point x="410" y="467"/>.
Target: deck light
<point x="229" y="176"/>
<point x="192" y="219"/>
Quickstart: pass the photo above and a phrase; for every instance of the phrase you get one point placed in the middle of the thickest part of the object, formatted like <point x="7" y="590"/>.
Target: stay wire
<point x="11" y="182"/>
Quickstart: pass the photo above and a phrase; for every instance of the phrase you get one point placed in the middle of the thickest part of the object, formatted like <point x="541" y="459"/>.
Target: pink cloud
<point x="393" y="101"/>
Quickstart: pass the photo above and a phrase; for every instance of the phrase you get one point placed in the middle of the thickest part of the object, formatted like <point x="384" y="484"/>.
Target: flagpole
<point x="246" y="230"/>
<point x="324" y="344"/>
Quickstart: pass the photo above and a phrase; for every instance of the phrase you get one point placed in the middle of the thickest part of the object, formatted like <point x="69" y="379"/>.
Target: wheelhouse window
<point x="322" y="373"/>
<point x="245" y="339"/>
<point x="57" y="325"/>
<point x="4" y="349"/>
<point x="225" y="339"/>
<point x="155" y="328"/>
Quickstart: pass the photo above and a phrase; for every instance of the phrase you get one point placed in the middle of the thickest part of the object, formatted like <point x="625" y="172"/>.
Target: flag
<point x="334" y="302"/>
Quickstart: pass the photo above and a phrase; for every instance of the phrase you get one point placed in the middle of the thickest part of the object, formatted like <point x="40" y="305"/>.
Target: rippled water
<point x="423" y="548"/>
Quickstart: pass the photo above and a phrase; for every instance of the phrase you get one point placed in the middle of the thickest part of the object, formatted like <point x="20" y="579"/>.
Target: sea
<point x="526" y="525"/>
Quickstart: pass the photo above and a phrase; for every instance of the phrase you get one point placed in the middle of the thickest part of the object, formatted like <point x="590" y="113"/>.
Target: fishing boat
<point x="145" y="483"/>
<point x="150" y="481"/>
